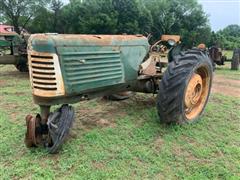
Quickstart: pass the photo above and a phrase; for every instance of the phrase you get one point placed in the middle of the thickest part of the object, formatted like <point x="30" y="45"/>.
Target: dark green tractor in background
<point x="66" y="69"/>
<point x="13" y="50"/>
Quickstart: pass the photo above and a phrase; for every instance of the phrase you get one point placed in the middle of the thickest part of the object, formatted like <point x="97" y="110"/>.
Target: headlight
<point x="171" y="42"/>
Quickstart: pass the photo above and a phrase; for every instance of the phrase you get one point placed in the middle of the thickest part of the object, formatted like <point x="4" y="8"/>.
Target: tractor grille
<point x="43" y="73"/>
<point x="85" y="70"/>
<point x="46" y="76"/>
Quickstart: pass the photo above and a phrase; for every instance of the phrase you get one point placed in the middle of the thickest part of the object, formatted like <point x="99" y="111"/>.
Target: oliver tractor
<point x="66" y="69"/>
<point x="13" y="48"/>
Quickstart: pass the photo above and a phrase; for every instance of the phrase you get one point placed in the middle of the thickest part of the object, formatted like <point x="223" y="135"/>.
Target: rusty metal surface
<point x="201" y="46"/>
<point x="45" y="74"/>
<point x="37" y="132"/>
<point x="149" y="67"/>
<point x="176" y="38"/>
<point x="30" y="138"/>
<point x="61" y="39"/>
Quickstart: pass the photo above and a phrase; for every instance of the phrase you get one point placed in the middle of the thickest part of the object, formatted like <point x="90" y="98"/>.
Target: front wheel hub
<point x="36" y="132"/>
<point x="52" y="134"/>
<point x="196" y="93"/>
<point x="193" y="91"/>
<point x="30" y="136"/>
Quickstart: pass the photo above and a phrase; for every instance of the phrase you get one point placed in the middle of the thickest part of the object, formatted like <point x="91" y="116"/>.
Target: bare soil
<point x="2" y="83"/>
<point x="226" y="86"/>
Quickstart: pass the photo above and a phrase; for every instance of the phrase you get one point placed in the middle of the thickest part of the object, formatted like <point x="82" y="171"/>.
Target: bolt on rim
<point x="196" y="93"/>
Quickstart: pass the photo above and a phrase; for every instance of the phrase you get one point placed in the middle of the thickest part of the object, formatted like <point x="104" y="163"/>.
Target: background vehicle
<point x="235" y="59"/>
<point x="13" y="48"/>
<point x="216" y="54"/>
<point x="66" y="69"/>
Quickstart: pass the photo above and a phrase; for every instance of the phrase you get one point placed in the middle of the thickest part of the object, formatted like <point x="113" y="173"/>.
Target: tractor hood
<point x="48" y="42"/>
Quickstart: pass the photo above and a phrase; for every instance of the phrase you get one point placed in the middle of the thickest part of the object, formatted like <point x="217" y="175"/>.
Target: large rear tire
<point x="185" y="88"/>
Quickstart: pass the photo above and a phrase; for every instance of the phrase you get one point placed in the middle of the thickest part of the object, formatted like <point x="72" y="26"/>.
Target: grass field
<point x="228" y="53"/>
<point x="113" y="140"/>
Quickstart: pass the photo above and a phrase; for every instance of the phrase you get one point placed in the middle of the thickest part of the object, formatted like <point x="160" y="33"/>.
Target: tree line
<point x="155" y="17"/>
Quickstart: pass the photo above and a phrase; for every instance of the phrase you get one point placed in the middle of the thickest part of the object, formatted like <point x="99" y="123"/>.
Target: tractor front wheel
<point x="185" y="88"/>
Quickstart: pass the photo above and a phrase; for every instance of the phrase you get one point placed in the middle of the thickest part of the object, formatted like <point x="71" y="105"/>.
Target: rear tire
<point x="235" y="60"/>
<point x="185" y="88"/>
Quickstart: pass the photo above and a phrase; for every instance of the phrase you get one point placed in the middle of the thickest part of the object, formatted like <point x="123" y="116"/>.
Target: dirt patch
<point x="2" y="83"/>
<point x="226" y="86"/>
<point x="221" y="80"/>
<point x="158" y="143"/>
<point x="105" y="113"/>
<point x="98" y="165"/>
<point x="101" y="115"/>
<point x="21" y="93"/>
<point x="179" y="151"/>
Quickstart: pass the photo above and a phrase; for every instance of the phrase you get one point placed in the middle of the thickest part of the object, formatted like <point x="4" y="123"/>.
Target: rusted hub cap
<point x="30" y="137"/>
<point x="196" y="93"/>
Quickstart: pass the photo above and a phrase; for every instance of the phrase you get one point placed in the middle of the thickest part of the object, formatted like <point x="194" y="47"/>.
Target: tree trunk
<point x="16" y="25"/>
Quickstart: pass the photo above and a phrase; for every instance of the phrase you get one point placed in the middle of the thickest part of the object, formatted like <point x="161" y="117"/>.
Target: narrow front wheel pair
<point x="185" y="87"/>
<point x="50" y="135"/>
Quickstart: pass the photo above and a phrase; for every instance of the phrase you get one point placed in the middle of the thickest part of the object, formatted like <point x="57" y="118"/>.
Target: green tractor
<point x="13" y="50"/>
<point x="217" y="56"/>
<point x="66" y="69"/>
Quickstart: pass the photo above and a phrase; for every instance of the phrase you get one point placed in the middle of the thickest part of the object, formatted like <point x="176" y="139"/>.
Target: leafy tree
<point x="99" y="17"/>
<point x="42" y="22"/>
<point x="20" y="12"/>
<point x="56" y="6"/>
<point x="229" y="37"/>
<point x="184" y="17"/>
<point x="157" y="17"/>
<point x="107" y="17"/>
<point x="128" y="13"/>
<point x="231" y="30"/>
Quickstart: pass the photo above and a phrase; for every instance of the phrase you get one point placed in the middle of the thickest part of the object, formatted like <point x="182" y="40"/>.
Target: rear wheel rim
<point x="196" y="93"/>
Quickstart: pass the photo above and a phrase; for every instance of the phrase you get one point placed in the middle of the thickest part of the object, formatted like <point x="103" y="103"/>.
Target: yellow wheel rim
<point x="196" y="93"/>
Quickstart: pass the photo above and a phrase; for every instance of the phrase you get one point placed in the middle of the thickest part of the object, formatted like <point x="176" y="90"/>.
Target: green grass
<point x="226" y="72"/>
<point x="228" y="53"/>
<point x="133" y="145"/>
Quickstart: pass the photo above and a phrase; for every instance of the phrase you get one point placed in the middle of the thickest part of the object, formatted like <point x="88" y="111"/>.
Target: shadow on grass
<point x="13" y="73"/>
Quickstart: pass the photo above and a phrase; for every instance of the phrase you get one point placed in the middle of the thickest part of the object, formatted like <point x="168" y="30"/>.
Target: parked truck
<point x="66" y="69"/>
